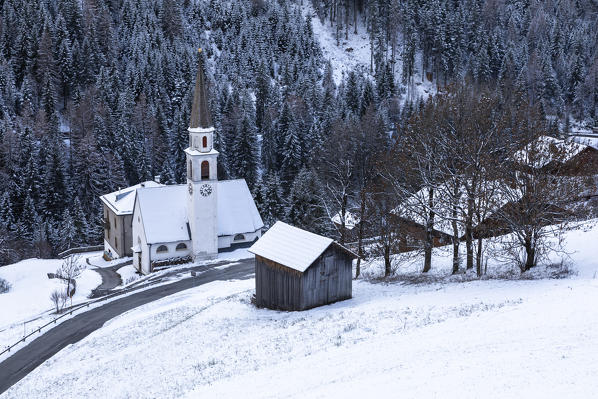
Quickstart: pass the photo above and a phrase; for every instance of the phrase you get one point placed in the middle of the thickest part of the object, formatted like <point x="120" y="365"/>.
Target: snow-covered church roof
<point x="164" y="211"/>
<point x="123" y="201"/>
<point x="291" y="246"/>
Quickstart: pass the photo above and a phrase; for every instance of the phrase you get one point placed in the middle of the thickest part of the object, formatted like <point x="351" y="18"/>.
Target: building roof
<point x="548" y="149"/>
<point x="237" y="212"/>
<point x="291" y="246"/>
<point x="351" y="219"/>
<point x="164" y="211"/>
<point x="412" y="208"/>
<point x="200" y="113"/>
<point x="122" y="201"/>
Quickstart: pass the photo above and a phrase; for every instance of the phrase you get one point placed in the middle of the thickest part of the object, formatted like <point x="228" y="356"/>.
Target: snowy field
<point x="27" y="305"/>
<point x="29" y="298"/>
<point x="482" y="338"/>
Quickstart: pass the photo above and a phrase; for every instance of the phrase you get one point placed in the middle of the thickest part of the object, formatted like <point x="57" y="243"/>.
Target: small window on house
<point x="181" y="247"/>
<point x="239" y="237"/>
<point x="205" y="170"/>
<point x="162" y="248"/>
<point x="204" y="141"/>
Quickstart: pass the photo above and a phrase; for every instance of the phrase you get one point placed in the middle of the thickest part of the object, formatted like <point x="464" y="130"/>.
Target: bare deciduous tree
<point x="68" y="272"/>
<point x="540" y="201"/>
<point x="58" y="298"/>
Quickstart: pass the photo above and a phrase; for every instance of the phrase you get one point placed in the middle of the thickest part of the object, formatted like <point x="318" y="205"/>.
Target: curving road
<point x="17" y="366"/>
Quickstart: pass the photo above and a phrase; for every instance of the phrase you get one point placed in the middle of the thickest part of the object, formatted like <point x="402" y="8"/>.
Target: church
<point x="193" y="221"/>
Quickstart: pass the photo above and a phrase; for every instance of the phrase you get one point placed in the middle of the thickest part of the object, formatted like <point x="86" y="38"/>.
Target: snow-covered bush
<point x="4" y="286"/>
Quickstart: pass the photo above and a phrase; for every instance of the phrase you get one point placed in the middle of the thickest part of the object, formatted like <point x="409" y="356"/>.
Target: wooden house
<point x="298" y="270"/>
<point x="558" y="157"/>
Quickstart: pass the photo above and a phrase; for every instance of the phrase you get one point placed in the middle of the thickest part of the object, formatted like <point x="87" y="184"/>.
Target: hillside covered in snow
<point x="452" y="337"/>
<point x="95" y="94"/>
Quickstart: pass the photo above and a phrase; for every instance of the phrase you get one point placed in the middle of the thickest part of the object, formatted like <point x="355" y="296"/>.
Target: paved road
<point x="75" y="329"/>
<point x="110" y="279"/>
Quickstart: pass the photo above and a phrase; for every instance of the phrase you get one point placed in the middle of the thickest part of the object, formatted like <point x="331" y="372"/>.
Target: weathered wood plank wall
<point x="327" y="280"/>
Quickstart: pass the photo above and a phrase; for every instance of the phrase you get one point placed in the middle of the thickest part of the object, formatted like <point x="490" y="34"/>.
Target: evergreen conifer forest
<point x="95" y="95"/>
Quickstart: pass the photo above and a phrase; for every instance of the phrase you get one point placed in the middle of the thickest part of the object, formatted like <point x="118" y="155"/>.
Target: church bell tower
<point x="202" y="178"/>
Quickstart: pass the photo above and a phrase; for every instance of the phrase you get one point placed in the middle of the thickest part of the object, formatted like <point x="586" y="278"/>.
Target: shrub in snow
<point x="4" y="286"/>
<point x="131" y="279"/>
<point x="58" y="298"/>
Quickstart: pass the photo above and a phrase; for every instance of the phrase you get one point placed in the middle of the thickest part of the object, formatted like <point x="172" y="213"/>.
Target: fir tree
<point x="272" y="209"/>
<point x="67" y="232"/>
<point x="244" y="164"/>
<point x="303" y="208"/>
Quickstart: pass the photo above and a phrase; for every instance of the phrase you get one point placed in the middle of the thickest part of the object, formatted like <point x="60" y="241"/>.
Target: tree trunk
<point x="469" y="233"/>
<point x="478" y="260"/>
<point x="360" y="233"/>
<point x="355" y="16"/>
<point x="429" y="233"/>
<point x="530" y="255"/>
<point x="455" y="241"/>
<point x="387" y="260"/>
<point x="346" y="19"/>
<point x="343" y="219"/>
<point x="332" y="14"/>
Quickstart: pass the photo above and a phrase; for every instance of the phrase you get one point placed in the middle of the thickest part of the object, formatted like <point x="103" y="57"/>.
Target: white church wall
<point x="139" y="240"/>
<point x="227" y="241"/>
<point x="171" y="252"/>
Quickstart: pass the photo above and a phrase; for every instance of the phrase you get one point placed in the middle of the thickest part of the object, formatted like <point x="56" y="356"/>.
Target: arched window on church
<point x="162" y="249"/>
<point x="205" y="170"/>
<point x="190" y="170"/>
<point x="239" y="237"/>
<point x="204" y="141"/>
<point x="181" y="246"/>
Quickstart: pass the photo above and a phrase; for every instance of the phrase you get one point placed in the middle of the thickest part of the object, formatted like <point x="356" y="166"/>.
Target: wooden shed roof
<point x="292" y="247"/>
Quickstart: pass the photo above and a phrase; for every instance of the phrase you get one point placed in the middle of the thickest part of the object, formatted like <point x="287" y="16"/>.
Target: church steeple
<point x="202" y="176"/>
<point x="200" y="114"/>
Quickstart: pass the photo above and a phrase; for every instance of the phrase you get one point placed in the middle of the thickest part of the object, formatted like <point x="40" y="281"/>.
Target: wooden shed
<point x="298" y="270"/>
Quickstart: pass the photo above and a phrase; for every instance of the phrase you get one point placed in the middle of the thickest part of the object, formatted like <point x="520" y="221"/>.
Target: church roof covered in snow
<point x="164" y="211"/>
<point x="291" y="246"/>
<point x="200" y="114"/>
<point x="237" y="212"/>
<point x="123" y="201"/>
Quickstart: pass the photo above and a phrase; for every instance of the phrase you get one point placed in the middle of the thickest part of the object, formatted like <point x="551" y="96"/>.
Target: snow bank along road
<point x="73" y="330"/>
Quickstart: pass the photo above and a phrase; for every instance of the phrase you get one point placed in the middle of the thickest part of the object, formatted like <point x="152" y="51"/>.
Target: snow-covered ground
<point x="28" y="302"/>
<point x="350" y="54"/>
<point x="97" y="259"/>
<point x="31" y="288"/>
<point x="128" y="274"/>
<point x="354" y="52"/>
<point x="481" y="338"/>
<point x="27" y="305"/>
